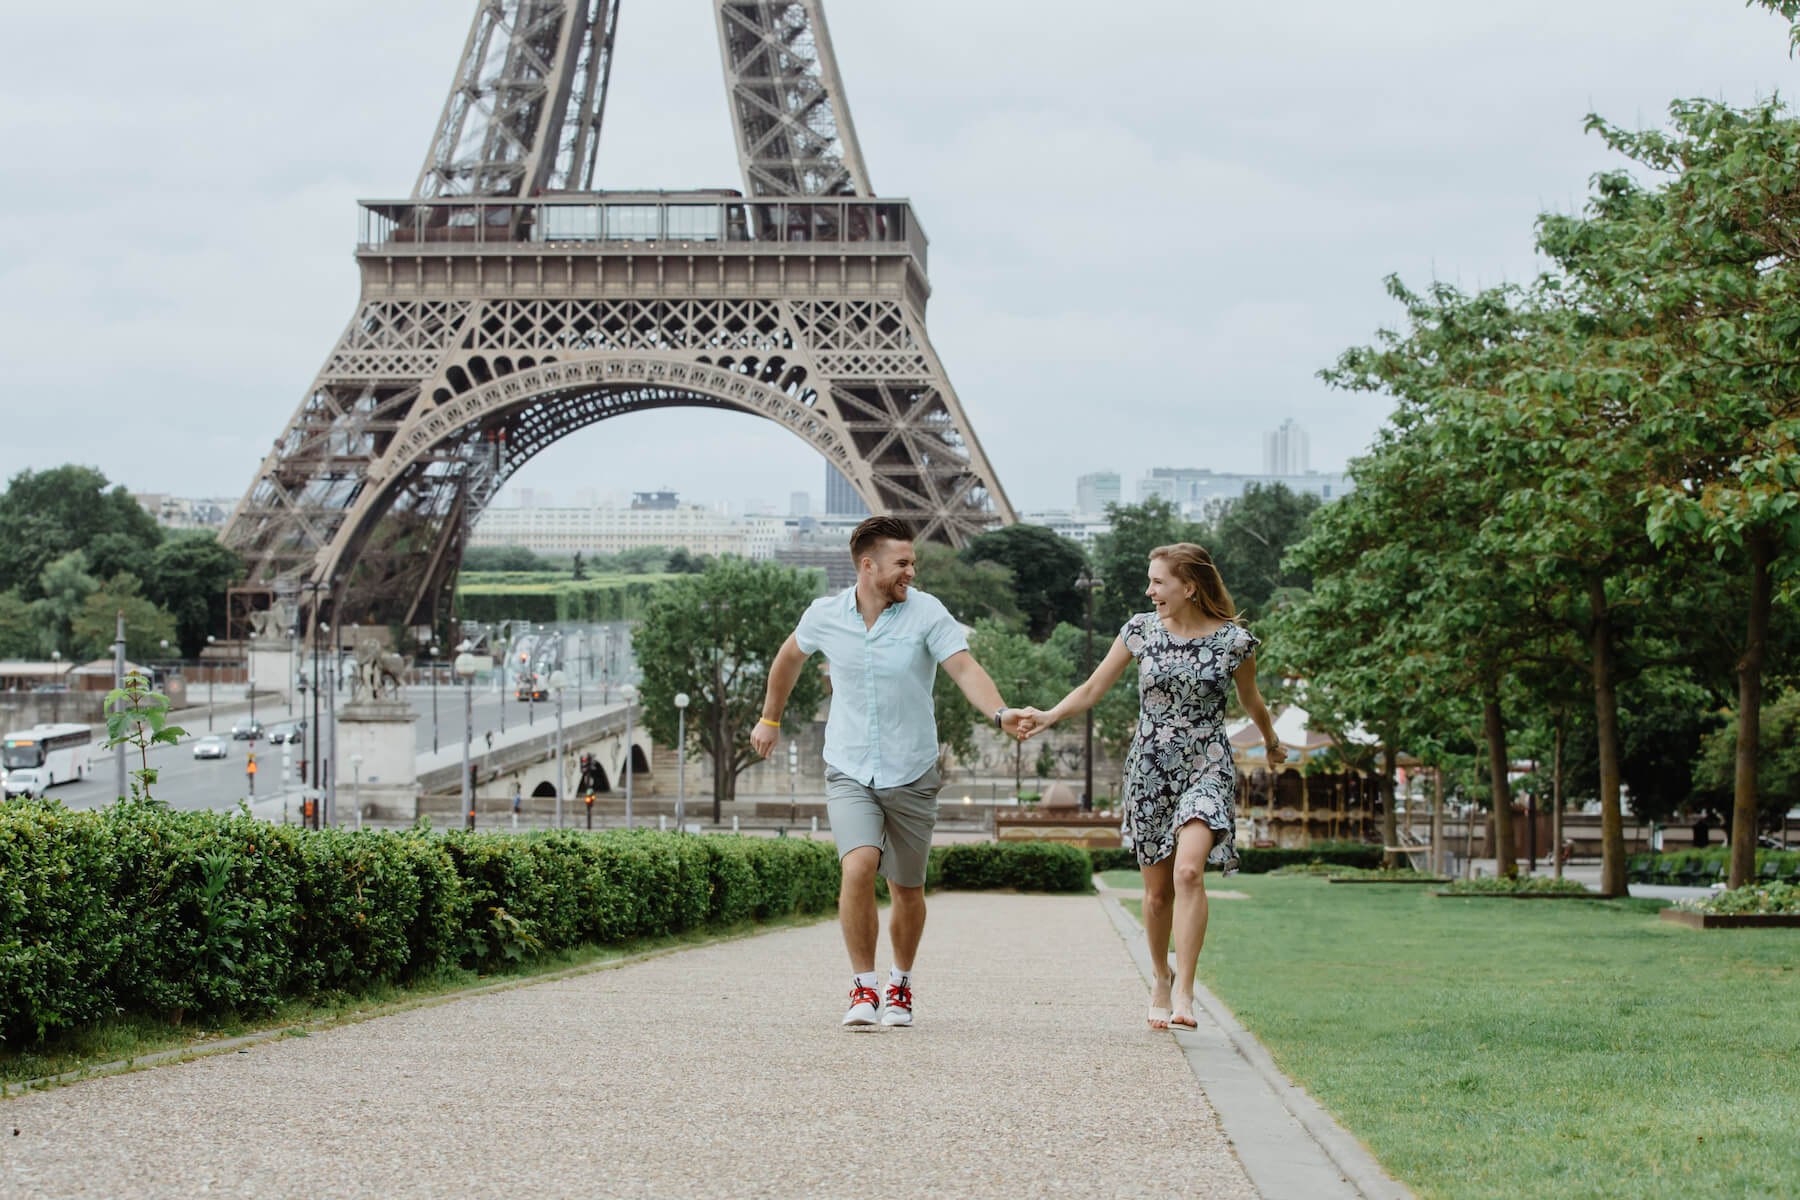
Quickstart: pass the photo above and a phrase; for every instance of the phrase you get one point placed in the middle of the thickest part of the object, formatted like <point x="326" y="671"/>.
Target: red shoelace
<point x="899" y="996"/>
<point x="863" y="995"/>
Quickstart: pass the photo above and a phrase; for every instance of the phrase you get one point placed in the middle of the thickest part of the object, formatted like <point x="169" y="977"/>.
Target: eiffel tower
<point x="506" y="304"/>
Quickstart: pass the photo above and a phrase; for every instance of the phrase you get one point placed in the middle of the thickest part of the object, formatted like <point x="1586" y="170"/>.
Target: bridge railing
<point x="693" y="218"/>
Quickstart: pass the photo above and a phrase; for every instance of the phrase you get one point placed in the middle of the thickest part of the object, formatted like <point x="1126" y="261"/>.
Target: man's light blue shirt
<point x="882" y="731"/>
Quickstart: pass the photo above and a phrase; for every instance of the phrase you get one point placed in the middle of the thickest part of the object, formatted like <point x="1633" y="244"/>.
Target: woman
<point x="1179" y="781"/>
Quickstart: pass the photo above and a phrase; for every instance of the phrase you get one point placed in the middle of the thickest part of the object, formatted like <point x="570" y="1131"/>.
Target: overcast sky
<point x="1151" y="221"/>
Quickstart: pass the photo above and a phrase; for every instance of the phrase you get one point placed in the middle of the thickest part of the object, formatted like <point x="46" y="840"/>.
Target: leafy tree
<point x="63" y="587"/>
<point x="189" y="575"/>
<point x="713" y="636"/>
<point x="1122" y="557"/>
<point x="47" y="514"/>
<point x="970" y="590"/>
<point x="644" y="560"/>
<point x="20" y="634"/>
<point x="1778" y="759"/>
<point x="1249" y="538"/>
<point x="95" y="626"/>
<point x="1026" y="672"/>
<point x="579" y="572"/>
<point x="682" y="562"/>
<point x="1044" y="565"/>
<point x="503" y="558"/>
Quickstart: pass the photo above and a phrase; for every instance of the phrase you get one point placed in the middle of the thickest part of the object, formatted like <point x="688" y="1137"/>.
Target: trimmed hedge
<point x="1697" y="868"/>
<point x="1255" y="861"/>
<point x="136" y="909"/>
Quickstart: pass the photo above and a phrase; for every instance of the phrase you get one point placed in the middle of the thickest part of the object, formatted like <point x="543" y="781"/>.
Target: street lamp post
<point x="1088" y="585"/>
<point x="629" y="695"/>
<point x="681" y="707"/>
<point x="557" y="682"/>
<point x="433" y="651"/>
<point x="211" y="669"/>
<point x="356" y="786"/>
<point x="250" y="675"/>
<point x="465" y="670"/>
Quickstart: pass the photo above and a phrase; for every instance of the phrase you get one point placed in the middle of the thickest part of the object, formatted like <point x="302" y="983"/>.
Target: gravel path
<point x="718" y="1071"/>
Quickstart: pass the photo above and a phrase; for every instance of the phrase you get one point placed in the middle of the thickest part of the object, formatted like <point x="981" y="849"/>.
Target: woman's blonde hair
<point x="1194" y="566"/>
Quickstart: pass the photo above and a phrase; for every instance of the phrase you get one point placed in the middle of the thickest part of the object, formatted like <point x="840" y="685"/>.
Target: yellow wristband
<point x="766" y="721"/>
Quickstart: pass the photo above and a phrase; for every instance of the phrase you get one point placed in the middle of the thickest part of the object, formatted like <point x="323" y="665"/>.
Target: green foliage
<point x="1777" y="760"/>
<point x="734" y="618"/>
<point x="95" y="627"/>
<point x="1024" y="866"/>
<point x="189" y="575"/>
<point x="1044" y="566"/>
<point x="681" y="562"/>
<point x="63" y="588"/>
<point x="970" y="590"/>
<point x="1758" y="899"/>
<point x="1255" y="861"/>
<point x="138" y="716"/>
<point x="1249" y="537"/>
<point x="555" y="598"/>
<point x="20" y="635"/>
<point x="507" y="558"/>
<point x="133" y="909"/>
<point x="1026" y="672"/>
<point x="1516" y="885"/>
<point x="578" y="572"/>
<point x="48" y="514"/>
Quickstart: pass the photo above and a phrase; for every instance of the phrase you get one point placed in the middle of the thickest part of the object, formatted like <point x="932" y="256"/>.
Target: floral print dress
<point x="1179" y="765"/>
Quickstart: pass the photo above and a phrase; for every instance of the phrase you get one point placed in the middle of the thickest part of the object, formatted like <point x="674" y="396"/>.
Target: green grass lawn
<point x="1505" y="1048"/>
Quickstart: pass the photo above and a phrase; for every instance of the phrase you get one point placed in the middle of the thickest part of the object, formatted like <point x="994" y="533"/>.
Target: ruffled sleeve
<point x="1243" y="645"/>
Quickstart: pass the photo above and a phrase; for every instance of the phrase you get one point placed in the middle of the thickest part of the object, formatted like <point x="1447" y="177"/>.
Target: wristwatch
<point x="999" y="713"/>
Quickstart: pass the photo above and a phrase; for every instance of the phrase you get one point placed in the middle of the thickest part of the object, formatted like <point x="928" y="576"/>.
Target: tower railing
<point x="592" y="222"/>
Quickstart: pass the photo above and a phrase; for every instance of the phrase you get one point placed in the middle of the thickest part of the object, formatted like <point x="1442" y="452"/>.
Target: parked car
<point x="246" y="731"/>
<point x="212" y="747"/>
<point x="26" y="781"/>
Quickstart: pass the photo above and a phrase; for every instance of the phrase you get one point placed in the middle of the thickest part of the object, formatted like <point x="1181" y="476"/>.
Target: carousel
<point x="1315" y="795"/>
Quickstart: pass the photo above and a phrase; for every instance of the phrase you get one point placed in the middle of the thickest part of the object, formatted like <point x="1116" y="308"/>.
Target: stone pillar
<point x="386" y="783"/>
<point x="271" y="663"/>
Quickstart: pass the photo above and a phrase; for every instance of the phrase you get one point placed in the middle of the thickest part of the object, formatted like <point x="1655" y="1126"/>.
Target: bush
<point x="1253" y="861"/>
<point x="139" y="910"/>
<point x="1782" y="898"/>
<point x="1514" y="885"/>
<point x="1026" y="866"/>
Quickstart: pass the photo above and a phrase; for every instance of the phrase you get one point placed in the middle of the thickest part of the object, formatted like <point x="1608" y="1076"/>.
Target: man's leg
<point x="856" y="907"/>
<point x="906" y="923"/>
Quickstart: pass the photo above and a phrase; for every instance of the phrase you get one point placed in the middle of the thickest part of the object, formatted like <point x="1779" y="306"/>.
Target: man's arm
<point x="975" y="684"/>
<point x="784" y="673"/>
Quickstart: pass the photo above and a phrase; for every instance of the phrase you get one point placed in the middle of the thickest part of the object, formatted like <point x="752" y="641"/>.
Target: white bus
<point x="43" y="756"/>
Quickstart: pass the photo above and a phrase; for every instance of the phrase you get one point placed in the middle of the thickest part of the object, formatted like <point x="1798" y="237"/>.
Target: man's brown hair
<point x="877" y="529"/>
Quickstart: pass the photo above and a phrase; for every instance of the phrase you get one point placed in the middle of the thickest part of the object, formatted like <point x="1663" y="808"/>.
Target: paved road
<point x="719" y="1071"/>
<point x="189" y="783"/>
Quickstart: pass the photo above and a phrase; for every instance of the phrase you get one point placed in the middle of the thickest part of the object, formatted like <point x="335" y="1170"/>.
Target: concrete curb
<point x="1259" y="1106"/>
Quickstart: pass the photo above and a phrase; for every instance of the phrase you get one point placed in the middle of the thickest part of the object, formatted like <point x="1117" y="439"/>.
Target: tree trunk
<point x="1437" y="821"/>
<point x="1749" y="737"/>
<point x="1556" y="819"/>
<point x="1389" y="826"/>
<point x="1606" y="733"/>
<point x="1505" y="863"/>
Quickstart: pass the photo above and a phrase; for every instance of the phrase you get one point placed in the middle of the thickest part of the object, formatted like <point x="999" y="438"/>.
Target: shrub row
<point x="140" y="910"/>
<point x="1255" y="861"/>
<point x="1701" y="867"/>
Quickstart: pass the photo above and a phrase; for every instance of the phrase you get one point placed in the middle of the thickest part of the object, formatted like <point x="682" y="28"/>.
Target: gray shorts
<point x="897" y="821"/>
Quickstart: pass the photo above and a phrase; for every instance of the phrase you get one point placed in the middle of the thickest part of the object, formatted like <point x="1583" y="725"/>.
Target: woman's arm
<point x="1088" y="694"/>
<point x="1251" y="699"/>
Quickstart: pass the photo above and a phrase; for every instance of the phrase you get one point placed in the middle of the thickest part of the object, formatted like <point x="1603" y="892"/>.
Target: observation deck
<point x="643" y="243"/>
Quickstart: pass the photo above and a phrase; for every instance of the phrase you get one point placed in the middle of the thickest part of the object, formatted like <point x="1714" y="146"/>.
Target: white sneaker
<point x="863" y="1005"/>
<point x="898" y="1010"/>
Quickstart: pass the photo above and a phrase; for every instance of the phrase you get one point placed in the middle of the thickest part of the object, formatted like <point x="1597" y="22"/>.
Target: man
<point x="884" y="640"/>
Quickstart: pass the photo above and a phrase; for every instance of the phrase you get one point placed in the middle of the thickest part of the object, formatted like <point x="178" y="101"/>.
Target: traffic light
<point x="590" y="809"/>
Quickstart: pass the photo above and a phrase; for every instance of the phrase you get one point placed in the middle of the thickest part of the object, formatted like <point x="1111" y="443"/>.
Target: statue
<point x="378" y="673"/>
<point x="272" y="622"/>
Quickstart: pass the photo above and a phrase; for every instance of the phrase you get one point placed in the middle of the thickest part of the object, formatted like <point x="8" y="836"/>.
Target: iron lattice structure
<point x="505" y="306"/>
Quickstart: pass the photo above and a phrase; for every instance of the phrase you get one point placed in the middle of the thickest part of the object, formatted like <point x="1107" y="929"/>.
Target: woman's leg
<point x="1159" y="898"/>
<point x="1193" y="842"/>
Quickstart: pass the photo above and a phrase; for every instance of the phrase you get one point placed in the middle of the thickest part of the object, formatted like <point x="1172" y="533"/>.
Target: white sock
<point x="868" y="979"/>
<point x="899" y="978"/>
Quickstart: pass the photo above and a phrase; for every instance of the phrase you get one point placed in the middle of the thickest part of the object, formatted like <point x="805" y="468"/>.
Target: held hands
<point x="1030" y="721"/>
<point x="763" y="738"/>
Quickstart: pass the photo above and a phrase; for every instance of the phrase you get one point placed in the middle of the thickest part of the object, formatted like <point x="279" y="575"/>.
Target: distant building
<point x="1191" y="489"/>
<point x="176" y="512"/>
<point x="605" y="529"/>
<point x="800" y="504"/>
<point x="841" y="499"/>
<point x="655" y="501"/>
<point x="1287" y="451"/>
<point x="1093" y="492"/>
<point x="1079" y="527"/>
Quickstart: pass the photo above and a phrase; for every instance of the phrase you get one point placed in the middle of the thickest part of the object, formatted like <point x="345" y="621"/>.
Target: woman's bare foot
<point x="1158" y="1014"/>
<point x="1182" y="1013"/>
